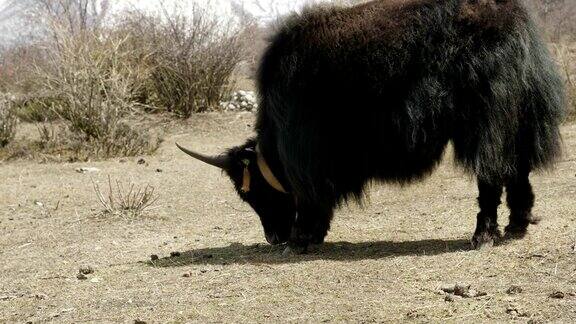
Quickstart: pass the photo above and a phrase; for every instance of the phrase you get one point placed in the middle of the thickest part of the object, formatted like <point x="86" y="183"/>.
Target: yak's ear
<point x="221" y="161"/>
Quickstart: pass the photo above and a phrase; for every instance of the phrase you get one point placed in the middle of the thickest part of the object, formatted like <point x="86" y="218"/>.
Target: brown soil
<point x="386" y="262"/>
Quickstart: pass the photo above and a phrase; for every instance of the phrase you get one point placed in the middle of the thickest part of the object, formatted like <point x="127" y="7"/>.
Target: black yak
<point x="375" y="92"/>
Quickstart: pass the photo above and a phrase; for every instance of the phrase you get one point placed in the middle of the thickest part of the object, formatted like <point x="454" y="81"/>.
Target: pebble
<point x="514" y="290"/>
<point x="154" y="257"/>
<point x="557" y="295"/>
<point x="40" y="296"/>
<point x="87" y="170"/>
<point x="175" y="254"/>
<point x="86" y="270"/>
<point x="141" y="161"/>
<point x="462" y="290"/>
<point x="81" y="276"/>
<point x="241" y="100"/>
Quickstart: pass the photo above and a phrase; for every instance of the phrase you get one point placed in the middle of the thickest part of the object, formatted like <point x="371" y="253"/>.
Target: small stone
<point x="574" y="248"/>
<point x="448" y="288"/>
<point x="557" y="295"/>
<point x="86" y="270"/>
<point x="40" y="296"/>
<point x="512" y="310"/>
<point x="94" y="280"/>
<point x="462" y="290"/>
<point x="514" y="290"/>
<point x="81" y="276"/>
<point x="122" y="160"/>
<point x="87" y="170"/>
<point x="141" y="161"/>
<point x="203" y="271"/>
<point x="175" y="254"/>
<point x="159" y="170"/>
<point x="139" y="322"/>
<point x="154" y="257"/>
<point x="535" y="321"/>
<point x="187" y="275"/>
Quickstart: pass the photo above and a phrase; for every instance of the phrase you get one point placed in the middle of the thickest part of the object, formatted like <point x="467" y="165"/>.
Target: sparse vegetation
<point x="92" y="84"/>
<point x="565" y="54"/>
<point x="125" y="200"/>
<point x="191" y="58"/>
<point x="97" y="77"/>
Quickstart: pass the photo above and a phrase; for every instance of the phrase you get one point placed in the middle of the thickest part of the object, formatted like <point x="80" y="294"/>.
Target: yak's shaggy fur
<point x="377" y="91"/>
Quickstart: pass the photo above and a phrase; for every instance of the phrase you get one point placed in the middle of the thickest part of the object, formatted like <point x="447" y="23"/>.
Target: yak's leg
<point x="520" y="199"/>
<point x="310" y="227"/>
<point x="487" y="219"/>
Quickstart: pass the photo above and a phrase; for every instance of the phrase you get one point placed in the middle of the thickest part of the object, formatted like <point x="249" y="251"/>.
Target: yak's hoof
<point x="534" y="220"/>
<point x="298" y="250"/>
<point x="515" y="231"/>
<point x="294" y="250"/>
<point x="518" y="229"/>
<point x="485" y="239"/>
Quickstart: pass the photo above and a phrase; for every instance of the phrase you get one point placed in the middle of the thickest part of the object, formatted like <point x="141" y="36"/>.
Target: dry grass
<point x="126" y="200"/>
<point x="381" y="263"/>
<point x="565" y="54"/>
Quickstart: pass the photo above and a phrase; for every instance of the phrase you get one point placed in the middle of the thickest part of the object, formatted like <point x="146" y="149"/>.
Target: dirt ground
<point x="385" y="262"/>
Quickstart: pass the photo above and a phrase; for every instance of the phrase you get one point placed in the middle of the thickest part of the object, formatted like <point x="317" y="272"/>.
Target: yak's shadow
<point x="338" y="251"/>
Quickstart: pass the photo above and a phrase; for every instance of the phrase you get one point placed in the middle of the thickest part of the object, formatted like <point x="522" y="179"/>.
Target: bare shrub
<point x="8" y="122"/>
<point x="92" y="84"/>
<point x="127" y="200"/>
<point x="191" y="57"/>
<point x="565" y="54"/>
<point x="557" y="17"/>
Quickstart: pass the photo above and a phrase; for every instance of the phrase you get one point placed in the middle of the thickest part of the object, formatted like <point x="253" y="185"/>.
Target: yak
<point x="349" y="96"/>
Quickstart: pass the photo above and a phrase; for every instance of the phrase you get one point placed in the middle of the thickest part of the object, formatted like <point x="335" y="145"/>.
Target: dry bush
<point x="191" y="58"/>
<point x="556" y="17"/>
<point x="129" y="200"/>
<point x="8" y="122"/>
<point x="92" y="84"/>
<point x="565" y="54"/>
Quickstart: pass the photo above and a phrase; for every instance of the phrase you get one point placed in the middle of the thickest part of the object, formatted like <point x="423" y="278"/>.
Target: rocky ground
<point x="200" y="255"/>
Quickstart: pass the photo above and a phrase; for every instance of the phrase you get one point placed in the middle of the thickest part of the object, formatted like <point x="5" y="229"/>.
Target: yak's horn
<point x="220" y="161"/>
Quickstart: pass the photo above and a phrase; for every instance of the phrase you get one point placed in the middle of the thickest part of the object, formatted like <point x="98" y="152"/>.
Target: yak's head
<point x="257" y="185"/>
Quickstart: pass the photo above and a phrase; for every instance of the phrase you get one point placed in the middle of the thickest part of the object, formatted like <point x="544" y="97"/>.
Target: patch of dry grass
<point x="126" y="200"/>
<point x="565" y="54"/>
